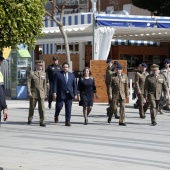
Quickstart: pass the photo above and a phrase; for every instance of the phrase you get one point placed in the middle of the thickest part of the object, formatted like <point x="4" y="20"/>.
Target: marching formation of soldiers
<point x="153" y="90"/>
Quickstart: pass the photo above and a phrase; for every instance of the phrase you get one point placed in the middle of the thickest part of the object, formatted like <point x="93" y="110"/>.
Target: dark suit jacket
<point x="3" y="104"/>
<point x="61" y="88"/>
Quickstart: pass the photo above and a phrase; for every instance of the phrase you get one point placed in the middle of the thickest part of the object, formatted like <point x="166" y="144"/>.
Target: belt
<point x="1" y="83"/>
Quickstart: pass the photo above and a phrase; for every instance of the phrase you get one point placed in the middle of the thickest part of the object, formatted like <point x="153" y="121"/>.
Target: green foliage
<point x="20" y="22"/>
<point x="158" y="7"/>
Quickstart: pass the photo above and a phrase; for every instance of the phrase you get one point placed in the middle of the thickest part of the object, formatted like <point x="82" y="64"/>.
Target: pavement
<point x="96" y="146"/>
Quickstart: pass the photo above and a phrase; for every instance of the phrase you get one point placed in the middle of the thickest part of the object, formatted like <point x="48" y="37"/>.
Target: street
<point x="96" y="146"/>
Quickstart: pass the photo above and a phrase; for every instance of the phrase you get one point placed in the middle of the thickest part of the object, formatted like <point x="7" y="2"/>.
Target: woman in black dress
<point x="86" y="89"/>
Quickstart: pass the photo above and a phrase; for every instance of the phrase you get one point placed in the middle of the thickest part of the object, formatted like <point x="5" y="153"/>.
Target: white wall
<point x="132" y="10"/>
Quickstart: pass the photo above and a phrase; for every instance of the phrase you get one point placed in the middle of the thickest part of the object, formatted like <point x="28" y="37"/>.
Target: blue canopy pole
<point x="94" y="52"/>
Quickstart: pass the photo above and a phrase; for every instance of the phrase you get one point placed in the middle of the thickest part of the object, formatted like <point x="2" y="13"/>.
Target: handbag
<point x="80" y="103"/>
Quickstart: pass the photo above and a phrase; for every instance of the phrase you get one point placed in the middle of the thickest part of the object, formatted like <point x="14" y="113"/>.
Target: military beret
<point x="144" y="65"/>
<point x="39" y="62"/>
<point x="55" y="58"/>
<point x="166" y="61"/>
<point x="116" y="62"/>
<point x="120" y="67"/>
<point x="154" y="67"/>
<point x="2" y="58"/>
<point x="109" y="60"/>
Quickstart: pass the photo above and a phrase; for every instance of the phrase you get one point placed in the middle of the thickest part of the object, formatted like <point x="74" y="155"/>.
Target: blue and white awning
<point x="117" y="42"/>
<point x="124" y="21"/>
<point x="132" y="21"/>
<point x="143" y="43"/>
<point x="163" y="22"/>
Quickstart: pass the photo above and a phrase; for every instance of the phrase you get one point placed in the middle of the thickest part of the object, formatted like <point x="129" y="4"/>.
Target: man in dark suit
<point x="64" y="90"/>
<point x="51" y="70"/>
<point x="3" y="105"/>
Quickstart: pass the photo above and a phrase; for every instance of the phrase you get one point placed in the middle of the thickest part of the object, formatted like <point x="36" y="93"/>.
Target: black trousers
<point x="50" y="94"/>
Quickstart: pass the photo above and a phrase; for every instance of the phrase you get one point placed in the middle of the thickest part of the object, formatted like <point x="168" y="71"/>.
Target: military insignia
<point x="123" y="80"/>
<point x="160" y="80"/>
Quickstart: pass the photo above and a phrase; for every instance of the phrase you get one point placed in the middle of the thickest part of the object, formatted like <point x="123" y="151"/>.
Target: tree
<point x="157" y="7"/>
<point x="20" y="22"/>
<point x="60" y="8"/>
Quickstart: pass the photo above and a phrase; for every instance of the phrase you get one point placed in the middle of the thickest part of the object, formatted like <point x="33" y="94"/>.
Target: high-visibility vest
<point x="1" y="78"/>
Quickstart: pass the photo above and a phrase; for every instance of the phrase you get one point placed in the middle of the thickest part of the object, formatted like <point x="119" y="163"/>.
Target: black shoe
<point x="67" y="124"/>
<point x="166" y="108"/>
<point x="109" y="120"/>
<point x="154" y="123"/>
<point x="142" y="117"/>
<point x="49" y="105"/>
<point x="122" y="124"/>
<point x="42" y="124"/>
<point x="29" y="122"/>
<point x="86" y="121"/>
<point x="56" y="119"/>
<point x="117" y="117"/>
<point x="161" y="112"/>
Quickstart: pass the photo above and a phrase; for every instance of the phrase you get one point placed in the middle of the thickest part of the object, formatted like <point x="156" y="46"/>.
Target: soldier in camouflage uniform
<point x="36" y="84"/>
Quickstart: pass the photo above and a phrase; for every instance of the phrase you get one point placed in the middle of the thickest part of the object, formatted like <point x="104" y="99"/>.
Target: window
<point x="74" y="48"/>
<point x="59" y="2"/>
<point x="77" y="47"/>
<point x="71" y="47"/>
<point x="58" y="48"/>
<point x="82" y="2"/>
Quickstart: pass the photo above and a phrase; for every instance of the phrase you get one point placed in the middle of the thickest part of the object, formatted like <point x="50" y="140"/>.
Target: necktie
<point x="66" y="77"/>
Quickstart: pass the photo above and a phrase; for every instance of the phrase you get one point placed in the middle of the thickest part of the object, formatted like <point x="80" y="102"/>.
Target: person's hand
<point x="144" y="101"/>
<point x="48" y="86"/>
<point x="54" y="97"/>
<point x="78" y="97"/>
<point x="139" y="92"/>
<point x="75" y="98"/>
<point x="110" y="97"/>
<point x="96" y="96"/>
<point x="5" y="112"/>
<point x="30" y="94"/>
<point x="127" y="97"/>
<point x="166" y="97"/>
